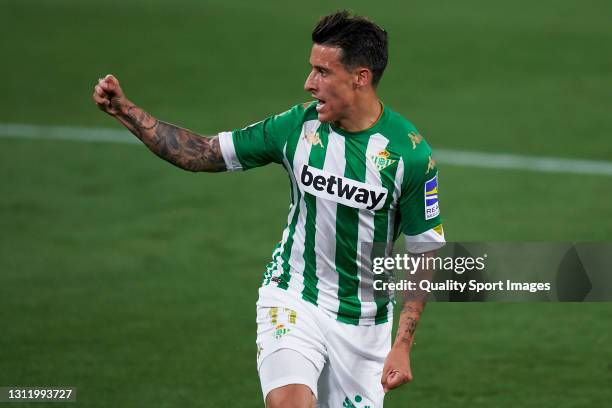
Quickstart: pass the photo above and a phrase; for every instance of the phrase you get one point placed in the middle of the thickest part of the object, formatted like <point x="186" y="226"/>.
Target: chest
<point x="359" y="172"/>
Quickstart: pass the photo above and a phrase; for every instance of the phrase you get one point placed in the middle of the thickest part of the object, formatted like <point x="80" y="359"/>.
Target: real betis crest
<point x="381" y="160"/>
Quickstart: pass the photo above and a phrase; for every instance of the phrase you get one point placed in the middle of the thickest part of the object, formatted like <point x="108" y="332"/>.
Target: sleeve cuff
<point x="228" y="151"/>
<point x="425" y="242"/>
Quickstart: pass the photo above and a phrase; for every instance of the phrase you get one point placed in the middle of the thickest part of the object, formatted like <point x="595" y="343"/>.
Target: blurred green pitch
<point x="136" y="282"/>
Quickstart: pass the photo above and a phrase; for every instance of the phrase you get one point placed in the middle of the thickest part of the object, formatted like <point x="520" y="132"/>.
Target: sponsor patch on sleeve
<point x="432" y="209"/>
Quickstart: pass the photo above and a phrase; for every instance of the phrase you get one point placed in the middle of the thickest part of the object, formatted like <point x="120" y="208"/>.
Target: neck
<point x="363" y="115"/>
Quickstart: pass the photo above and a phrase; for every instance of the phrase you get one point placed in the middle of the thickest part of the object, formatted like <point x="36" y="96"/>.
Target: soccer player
<point x="360" y="174"/>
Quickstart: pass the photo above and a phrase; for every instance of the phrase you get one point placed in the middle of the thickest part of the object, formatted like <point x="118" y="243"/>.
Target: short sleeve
<point x="420" y="219"/>
<point x="260" y="143"/>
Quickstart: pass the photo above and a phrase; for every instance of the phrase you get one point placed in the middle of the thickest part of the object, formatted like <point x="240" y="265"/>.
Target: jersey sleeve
<point x="260" y="143"/>
<point x="420" y="220"/>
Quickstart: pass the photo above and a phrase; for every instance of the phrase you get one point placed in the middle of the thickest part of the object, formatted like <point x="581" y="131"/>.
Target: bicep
<point x="258" y="144"/>
<point x="421" y="222"/>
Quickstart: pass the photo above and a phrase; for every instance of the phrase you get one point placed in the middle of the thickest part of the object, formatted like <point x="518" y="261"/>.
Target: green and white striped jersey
<point x="348" y="190"/>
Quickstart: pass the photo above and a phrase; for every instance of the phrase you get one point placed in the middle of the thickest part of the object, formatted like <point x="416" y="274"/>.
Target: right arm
<point x="178" y="146"/>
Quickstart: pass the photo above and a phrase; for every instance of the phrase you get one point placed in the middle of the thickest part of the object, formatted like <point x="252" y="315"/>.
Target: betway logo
<point x="341" y="189"/>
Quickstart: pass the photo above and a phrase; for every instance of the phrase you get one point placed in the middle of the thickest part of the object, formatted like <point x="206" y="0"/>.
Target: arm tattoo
<point x="140" y="120"/>
<point x="186" y="149"/>
<point x="409" y="317"/>
<point x="178" y="146"/>
<point x="412" y="308"/>
<point x="406" y="335"/>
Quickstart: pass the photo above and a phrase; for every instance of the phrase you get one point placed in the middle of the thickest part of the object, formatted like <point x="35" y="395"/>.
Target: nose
<point x="309" y="84"/>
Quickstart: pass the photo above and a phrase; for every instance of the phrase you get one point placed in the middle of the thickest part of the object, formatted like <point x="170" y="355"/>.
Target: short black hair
<point x="362" y="42"/>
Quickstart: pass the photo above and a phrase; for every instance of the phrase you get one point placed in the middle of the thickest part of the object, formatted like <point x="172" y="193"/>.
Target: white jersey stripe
<point x="325" y="242"/>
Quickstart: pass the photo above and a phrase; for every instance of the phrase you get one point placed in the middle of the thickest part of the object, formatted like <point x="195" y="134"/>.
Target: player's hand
<point x="396" y="370"/>
<point x="108" y="95"/>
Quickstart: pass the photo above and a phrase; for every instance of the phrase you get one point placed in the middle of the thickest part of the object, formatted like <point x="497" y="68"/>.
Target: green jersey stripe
<point x="294" y="213"/>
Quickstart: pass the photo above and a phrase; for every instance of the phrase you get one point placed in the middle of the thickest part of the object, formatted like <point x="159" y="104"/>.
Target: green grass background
<point x="136" y="282"/>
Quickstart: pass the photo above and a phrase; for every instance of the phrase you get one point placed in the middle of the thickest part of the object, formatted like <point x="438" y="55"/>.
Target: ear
<point x="363" y="77"/>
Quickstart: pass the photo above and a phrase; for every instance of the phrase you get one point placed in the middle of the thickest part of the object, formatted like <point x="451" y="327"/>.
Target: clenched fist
<point x="109" y="96"/>
<point x="396" y="370"/>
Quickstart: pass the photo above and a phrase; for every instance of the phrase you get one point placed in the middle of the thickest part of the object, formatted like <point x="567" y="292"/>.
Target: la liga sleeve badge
<point x="432" y="208"/>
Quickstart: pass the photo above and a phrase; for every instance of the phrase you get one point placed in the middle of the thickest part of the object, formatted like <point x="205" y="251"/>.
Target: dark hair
<point x="362" y="42"/>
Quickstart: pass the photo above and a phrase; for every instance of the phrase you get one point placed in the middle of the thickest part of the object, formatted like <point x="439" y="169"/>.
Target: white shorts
<point x="341" y="363"/>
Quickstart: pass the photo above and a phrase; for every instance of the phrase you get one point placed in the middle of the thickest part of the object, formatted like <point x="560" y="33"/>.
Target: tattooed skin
<point x="409" y="317"/>
<point x="180" y="147"/>
<point x="412" y="307"/>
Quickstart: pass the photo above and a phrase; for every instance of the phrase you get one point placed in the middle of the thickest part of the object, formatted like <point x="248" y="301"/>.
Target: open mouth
<point x="320" y="105"/>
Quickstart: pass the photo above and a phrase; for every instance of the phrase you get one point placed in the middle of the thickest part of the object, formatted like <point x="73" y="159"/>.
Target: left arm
<point x="396" y="370"/>
<point x="397" y="365"/>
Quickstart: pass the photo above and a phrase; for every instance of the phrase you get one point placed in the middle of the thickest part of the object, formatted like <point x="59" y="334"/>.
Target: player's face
<point x="330" y="83"/>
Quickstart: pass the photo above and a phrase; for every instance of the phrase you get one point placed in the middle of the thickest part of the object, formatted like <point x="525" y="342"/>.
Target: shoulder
<point x="293" y="117"/>
<point x="302" y="111"/>
<point x="406" y="140"/>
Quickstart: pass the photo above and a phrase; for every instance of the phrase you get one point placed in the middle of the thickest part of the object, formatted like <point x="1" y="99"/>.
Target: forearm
<point x="413" y="306"/>
<point x="409" y="318"/>
<point x="180" y="147"/>
<point x="396" y="370"/>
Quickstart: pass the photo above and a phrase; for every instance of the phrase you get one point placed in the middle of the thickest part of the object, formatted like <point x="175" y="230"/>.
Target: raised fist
<point x="108" y="95"/>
